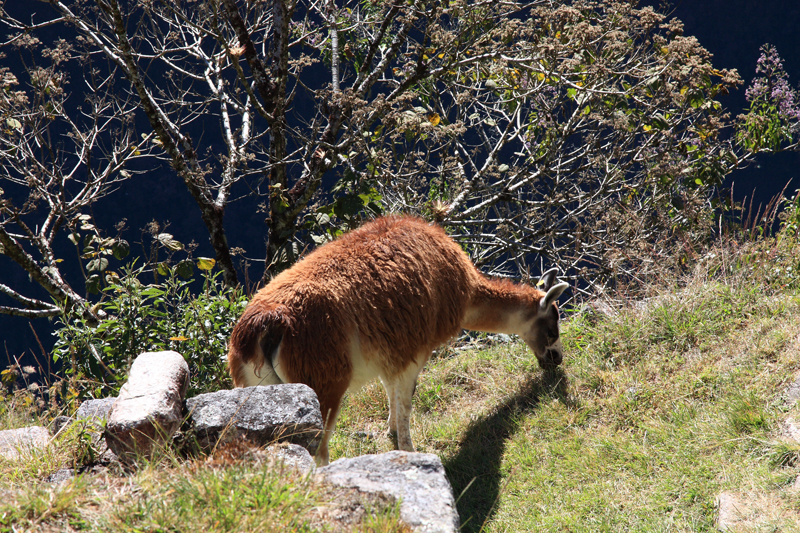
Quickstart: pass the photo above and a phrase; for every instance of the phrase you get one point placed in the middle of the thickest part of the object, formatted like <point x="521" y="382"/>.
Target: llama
<point x="375" y="303"/>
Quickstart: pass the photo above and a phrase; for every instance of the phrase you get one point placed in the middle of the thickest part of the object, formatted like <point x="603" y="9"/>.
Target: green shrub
<point x="164" y="315"/>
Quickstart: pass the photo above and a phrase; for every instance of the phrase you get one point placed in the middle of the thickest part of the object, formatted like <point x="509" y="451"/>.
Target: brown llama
<point x="375" y="303"/>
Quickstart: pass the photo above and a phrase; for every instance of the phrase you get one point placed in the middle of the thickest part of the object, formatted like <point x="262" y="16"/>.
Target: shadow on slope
<point x="475" y="472"/>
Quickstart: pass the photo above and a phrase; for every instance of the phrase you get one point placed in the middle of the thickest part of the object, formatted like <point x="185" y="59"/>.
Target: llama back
<point x="416" y="285"/>
<point x="398" y="284"/>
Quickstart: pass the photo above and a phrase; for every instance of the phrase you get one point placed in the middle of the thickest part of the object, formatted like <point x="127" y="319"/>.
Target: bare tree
<point x="547" y="129"/>
<point x="64" y="157"/>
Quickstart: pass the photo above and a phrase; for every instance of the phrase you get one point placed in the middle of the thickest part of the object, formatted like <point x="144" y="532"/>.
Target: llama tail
<point x="255" y="337"/>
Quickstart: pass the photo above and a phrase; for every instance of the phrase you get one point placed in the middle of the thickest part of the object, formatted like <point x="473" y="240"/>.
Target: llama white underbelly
<point x="365" y="366"/>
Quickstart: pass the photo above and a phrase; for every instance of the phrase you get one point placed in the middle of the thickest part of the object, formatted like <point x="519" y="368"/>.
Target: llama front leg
<point x="400" y="390"/>
<point x="391" y="392"/>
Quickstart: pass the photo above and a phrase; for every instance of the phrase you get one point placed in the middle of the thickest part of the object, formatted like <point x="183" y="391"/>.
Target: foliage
<point x="165" y="315"/>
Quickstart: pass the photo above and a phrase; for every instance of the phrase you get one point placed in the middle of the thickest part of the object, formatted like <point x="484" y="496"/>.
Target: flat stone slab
<point x="283" y="455"/>
<point x="754" y="511"/>
<point x="731" y="511"/>
<point x="417" y="480"/>
<point x="18" y="442"/>
<point x="262" y="415"/>
<point x="149" y="409"/>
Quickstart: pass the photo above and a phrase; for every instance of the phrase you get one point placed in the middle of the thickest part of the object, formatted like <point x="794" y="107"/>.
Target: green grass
<point x="215" y="494"/>
<point x="657" y="409"/>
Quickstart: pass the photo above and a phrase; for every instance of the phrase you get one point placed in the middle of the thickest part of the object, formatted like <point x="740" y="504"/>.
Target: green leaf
<point x="99" y="264"/>
<point x="120" y="249"/>
<point x="74" y="238"/>
<point x="205" y="263"/>
<point x="14" y="123"/>
<point x="348" y="206"/>
<point x="696" y="99"/>
<point x="93" y="284"/>
<point x="185" y="269"/>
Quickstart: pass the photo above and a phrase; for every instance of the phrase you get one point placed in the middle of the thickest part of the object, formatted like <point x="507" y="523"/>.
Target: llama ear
<point x="547" y="279"/>
<point x="551" y="296"/>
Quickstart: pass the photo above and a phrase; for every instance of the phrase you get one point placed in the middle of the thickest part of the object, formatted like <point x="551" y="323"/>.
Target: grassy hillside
<point x="661" y="404"/>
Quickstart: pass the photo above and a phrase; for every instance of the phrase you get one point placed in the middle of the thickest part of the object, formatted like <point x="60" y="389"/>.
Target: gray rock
<point x="96" y="409"/>
<point x="262" y="414"/>
<point x="17" y="442"/>
<point x="291" y="456"/>
<point x="282" y="455"/>
<point x="791" y="429"/>
<point x="416" y="479"/>
<point x="59" y="423"/>
<point x="731" y="511"/>
<point x="61" y="476"/>
<point x="793" y="392"/>
<point x="93" y="415"/>
<point x="149" y="408"/>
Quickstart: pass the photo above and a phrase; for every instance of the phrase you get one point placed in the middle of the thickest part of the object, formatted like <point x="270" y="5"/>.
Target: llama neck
<point x="499" y="306"/>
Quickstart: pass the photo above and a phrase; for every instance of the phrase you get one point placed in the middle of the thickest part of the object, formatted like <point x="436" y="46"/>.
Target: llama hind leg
<point x="330" y="401"/>
<point x="400" y="389"/>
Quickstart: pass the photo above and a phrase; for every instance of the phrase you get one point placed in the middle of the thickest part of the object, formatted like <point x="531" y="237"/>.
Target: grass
<point x="224" y="492"/>
<point x="660" y="406"/>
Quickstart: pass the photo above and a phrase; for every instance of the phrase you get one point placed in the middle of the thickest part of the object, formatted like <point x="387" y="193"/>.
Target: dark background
<point x="732" y="30"/>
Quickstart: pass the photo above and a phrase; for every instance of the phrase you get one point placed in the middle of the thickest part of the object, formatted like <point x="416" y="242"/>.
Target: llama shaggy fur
<point x="375" y="303"/>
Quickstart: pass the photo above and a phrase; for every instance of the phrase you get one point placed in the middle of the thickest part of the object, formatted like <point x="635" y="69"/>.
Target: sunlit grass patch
<point x="660" y="406"/>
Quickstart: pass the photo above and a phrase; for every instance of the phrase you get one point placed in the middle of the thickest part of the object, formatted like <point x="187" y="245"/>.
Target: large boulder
<point x="149" y="408"/>
<point x="17" y="442"/>
<point x="262" y="414"/>
<point x="417" y="480"/>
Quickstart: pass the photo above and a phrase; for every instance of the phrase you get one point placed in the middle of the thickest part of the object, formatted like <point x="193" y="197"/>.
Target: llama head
<point x="542" y="335"/>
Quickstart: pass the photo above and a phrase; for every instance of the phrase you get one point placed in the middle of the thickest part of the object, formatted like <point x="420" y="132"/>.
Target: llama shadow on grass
<point x="475" y="471"/>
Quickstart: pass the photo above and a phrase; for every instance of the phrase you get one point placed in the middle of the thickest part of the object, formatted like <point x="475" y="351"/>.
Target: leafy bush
<point x="164" y="315"/>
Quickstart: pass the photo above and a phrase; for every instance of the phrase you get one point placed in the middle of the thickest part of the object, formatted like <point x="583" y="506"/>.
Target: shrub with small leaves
<point x="166" y="315"/>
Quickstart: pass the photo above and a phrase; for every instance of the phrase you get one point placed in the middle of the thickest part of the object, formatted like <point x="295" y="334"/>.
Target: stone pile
<point x="151" y="410"/>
